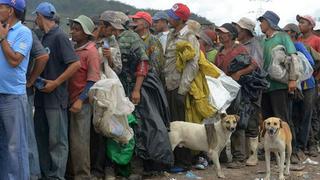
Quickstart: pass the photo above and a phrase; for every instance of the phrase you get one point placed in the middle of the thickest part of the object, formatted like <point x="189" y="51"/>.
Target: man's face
<point x="105" y="31"/>
<point x="139" y="25"/>
<point x="39" y="21"/>
<point x="174" y="23"/>
<point x="264" y="25"/>
<point x="159" y="25"/>
<point x="241" y="33"/>
<point x="224" y="36"/>
<point x="4" y="13"/>
<point x="77" y="32"/>
<point x="305" y="26"/>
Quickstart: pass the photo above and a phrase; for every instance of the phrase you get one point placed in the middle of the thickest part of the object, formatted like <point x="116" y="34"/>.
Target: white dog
<point x="210" y="139"/>
<point x="277" y="139"/>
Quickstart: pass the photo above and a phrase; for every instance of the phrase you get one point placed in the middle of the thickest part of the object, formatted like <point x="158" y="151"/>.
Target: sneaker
<point x="109" y="174"/>
<point x="301" y="156"/>
<point x="202" y="163"/>
<point x="236" y="165"/>
<point x="313" y="152"/>
<point x="294" y="158"/>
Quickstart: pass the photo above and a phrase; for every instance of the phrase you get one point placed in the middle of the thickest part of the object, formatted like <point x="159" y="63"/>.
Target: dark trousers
<point x="301" y="116"/>
<point x="97" y="153"/>
<point x="277" y="104"/>
<point x="315" y="122"/>
<point x="177" y="109"/>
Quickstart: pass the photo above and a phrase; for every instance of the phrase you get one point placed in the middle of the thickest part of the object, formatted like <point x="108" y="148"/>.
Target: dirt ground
<point x="311" y="172"/>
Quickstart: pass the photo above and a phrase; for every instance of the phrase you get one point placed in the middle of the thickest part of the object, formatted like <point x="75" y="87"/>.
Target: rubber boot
<point x="253" y="158"/>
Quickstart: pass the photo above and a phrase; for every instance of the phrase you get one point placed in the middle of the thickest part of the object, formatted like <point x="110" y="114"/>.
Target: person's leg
<point x="237" y="149"/>
<point x="42" y="137"/>
<point x="266" y="109"/>
<point x="35" y="172"/>
<point x="58" y="141"/>
<point x="97" y="153"/>
<point x="252" y="133"/>
<point x="14" y="163"/>
<point x="79" y="132"/>
<point x="305" y="125"/>
<point x="183" y="156"/>
<point x="315" y="126"/>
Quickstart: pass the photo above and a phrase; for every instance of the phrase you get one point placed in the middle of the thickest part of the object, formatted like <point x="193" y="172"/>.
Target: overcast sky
<point x="221" y="11"/>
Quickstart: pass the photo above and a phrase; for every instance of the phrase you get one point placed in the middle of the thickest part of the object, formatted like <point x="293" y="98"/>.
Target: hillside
<point x="73" y="8"/>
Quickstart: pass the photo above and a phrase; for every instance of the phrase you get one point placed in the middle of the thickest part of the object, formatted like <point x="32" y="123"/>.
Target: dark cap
<point x="291" y="27"/>
<point x="228" y="27"/>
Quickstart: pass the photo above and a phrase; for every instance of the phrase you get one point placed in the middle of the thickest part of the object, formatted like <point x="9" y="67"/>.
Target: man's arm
<point x="40" y="64"/>
<point x="53" y="84"/>
<point x="13" y="58"/>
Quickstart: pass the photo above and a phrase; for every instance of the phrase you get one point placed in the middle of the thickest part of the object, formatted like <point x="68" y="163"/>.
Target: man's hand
<point x="76" y="106"/>
<point x="236" y="76"/>
<point x="292" y="86"/>
<point x="50" y="86"/>
<point x="4" y="30"/>
<point x="135" y="97"/>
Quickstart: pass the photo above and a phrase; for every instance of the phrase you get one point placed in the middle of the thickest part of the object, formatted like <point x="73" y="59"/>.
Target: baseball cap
<point x="308" y="18"/>
<point x="113" y="18"/>
<point x="19" y="5"/>
<point x="246" y="23"/>
<point x="291" y="27"/>
<point x="86" y="24"/>
<point x="179" y="11"/>
<point x="228" y="28"/>
<point x="142" y="15"/>
<point x="46" y="9"/>
<point x="272" y="18"/>
<point x="160" y="15"/>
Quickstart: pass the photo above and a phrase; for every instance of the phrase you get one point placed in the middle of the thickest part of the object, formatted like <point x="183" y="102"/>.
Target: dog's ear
<point x="223" y="115"/>
<point x="237" y="118"/>
<point x="280" y="121"/>
<point x="263" y="130"/>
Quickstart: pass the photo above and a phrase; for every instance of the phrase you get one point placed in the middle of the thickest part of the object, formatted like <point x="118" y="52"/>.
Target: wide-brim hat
<point x="86" y="24"/>
<point x="272" y="18"/>
<point x="246" y="23"/>
<point x="114" y="18"/>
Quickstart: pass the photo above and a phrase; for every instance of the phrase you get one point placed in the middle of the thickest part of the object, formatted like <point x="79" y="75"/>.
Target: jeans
<point x="302" y="113"/>
<point x="79" y="132"/>
<point x="51" y="127"/>
<point x="14" y="164"/>
<point x="35" y="172"/>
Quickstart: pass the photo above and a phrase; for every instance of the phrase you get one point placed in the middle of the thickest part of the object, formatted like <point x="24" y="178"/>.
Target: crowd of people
<point x="46" y="129"/>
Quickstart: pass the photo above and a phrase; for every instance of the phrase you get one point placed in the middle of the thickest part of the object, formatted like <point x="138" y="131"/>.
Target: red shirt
<point x="223" y="60"/>
<point x="312" y="41"/>
<point x="89" y="70"/>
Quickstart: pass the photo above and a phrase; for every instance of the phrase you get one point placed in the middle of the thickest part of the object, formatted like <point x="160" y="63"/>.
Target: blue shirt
<point x="309" y="83"/>
<point x="13" y="79"/>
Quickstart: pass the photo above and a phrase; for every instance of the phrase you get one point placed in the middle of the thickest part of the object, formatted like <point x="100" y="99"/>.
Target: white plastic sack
<point x="111" y="108"/>
<point x="305" y="68"/>
<point x="223" y="90"/>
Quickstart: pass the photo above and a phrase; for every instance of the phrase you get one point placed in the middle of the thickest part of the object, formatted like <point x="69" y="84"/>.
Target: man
<point x="160" y="24"/>
<point x="51" y="101"/>
<point x="306" y="26"/>
<point x="302" y="108"/>
<point x="79" y="85"/>
<point x="230" y="50"/>
<point x="37" y="62"/>
<point x="275" y="102"/>
<point x="142" y="22"/>
<point x="207" y="38"/>
<point x="15" y="42"/>
<point x="245" y="28"/>
<point x="146" y="92"/>
<point x="178" y="84"/>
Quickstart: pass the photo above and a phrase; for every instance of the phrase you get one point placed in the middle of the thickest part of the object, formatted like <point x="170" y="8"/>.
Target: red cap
<point x="180" y="10"/>
<point x="308" y="18"/>
<point x="143" y="15"/>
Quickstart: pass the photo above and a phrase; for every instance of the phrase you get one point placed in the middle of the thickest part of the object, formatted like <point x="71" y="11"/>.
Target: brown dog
<point x="277" y="139"/>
